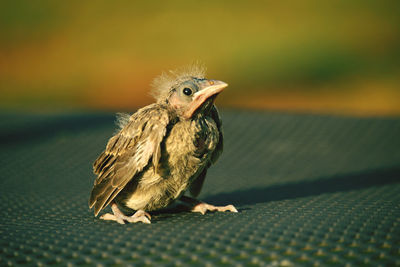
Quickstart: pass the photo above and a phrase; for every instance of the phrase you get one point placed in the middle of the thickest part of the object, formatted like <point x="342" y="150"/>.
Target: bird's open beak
<point x="208" y="88"/>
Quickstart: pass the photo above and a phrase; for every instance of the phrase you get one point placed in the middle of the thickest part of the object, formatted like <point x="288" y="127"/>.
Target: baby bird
<point x="162" y="150"/>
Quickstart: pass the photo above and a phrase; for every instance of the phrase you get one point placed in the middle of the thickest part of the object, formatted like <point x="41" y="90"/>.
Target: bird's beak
<point x="208" y="88"/>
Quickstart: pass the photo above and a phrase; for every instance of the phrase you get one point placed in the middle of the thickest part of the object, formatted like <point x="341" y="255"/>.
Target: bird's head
<point x="187" y="91"/>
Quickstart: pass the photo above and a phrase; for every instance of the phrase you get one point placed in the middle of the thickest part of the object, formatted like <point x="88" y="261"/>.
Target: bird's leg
<point x="202" y="207"/>
<point x="119" y="217"/>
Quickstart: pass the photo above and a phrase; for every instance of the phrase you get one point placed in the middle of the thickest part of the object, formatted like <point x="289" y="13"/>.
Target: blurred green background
<point x="311" y="56"/>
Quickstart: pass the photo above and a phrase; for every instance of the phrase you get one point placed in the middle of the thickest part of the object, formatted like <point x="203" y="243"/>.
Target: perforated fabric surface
<point x="310" y="190"/>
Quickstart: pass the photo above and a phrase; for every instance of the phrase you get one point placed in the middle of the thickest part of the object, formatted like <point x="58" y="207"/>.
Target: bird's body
<point x="183" y="158"/>
<point x="160" y="152"/>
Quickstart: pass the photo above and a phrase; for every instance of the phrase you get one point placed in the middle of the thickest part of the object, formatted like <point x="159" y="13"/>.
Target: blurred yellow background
<point x="338" y="57"/>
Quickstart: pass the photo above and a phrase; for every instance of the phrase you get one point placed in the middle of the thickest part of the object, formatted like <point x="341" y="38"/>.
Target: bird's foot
<point x="139" y="216"/>
<point x="119" y="217"/>
<point x="112" y="217"/>
<point x="204" y="207"/>
<point x="198" y="206"/>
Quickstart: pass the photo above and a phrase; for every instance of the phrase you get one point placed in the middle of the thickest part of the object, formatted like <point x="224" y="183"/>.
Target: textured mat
<point x="311" y="190"/>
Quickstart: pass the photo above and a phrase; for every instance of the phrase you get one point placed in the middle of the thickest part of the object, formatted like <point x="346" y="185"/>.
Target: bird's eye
<point x="187" y="91"/>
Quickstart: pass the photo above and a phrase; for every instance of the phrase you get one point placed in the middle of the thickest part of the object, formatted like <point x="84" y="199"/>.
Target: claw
<point x="204" y="207"/>
<point x="230" y="208"/>
<point x="198" y="206"/>
<point x="112" y="217"/>
<point x="119" y="217"/>
<point x="140" y="216"/>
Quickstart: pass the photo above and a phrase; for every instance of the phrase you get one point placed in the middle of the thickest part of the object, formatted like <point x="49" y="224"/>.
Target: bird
<point x="163" y="151"/>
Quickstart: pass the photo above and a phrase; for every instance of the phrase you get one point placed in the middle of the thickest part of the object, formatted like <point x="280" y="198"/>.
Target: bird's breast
<point x="192" y="137"/>
<point x="189" y="146"/>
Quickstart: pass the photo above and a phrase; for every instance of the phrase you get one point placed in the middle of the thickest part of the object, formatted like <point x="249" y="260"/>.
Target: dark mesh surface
<point x="311" y="190"/>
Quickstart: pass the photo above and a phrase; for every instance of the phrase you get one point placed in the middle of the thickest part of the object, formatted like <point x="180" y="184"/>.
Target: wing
<point x="197" y="184"/>
<point x="128" y="153"/>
